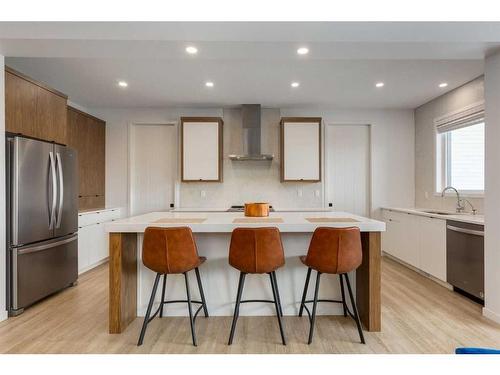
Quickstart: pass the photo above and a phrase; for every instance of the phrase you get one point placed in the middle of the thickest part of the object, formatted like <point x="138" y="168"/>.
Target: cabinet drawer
<point x="393" y="215"/>
<point x="109" y="215"/>
<point x="89" y="219"/>
<point x="98" y="217"/>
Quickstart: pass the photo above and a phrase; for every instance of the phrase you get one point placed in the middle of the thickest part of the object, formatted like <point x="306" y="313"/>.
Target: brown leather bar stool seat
<point x="257" y="251"/>
<point x="171" y="251"/>
<point x="333" y="251"/>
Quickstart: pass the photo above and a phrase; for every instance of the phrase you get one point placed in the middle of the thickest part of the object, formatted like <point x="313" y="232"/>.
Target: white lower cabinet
<point x="92" y="239"/>
<point x="417" y="240"/>
<point x="433" y="246"/>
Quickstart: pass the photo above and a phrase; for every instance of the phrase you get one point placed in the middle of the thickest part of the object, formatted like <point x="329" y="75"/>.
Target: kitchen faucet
<point x="460" y="201"/>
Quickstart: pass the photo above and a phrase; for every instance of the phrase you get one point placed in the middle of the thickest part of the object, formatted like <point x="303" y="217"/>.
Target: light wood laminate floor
<point x="418" y="316"/>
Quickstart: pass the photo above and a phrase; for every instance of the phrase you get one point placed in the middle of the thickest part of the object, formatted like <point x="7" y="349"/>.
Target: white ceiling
<point x="250" y="62"/>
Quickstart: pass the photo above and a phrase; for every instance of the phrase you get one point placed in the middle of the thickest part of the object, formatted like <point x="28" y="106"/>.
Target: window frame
<point x="442" y="149"/>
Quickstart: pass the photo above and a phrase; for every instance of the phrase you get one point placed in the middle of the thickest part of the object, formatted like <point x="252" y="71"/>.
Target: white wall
<point x="425" y="148"/>
<point x="392" y="163"/>
<point x="392" y="150"/>
<point x="117" y="121"/>
<point x="3" y="308"/>
<point x="492" y="189"/>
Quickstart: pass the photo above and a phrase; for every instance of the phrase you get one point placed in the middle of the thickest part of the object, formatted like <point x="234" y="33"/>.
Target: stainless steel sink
<point x="436" y="212"/>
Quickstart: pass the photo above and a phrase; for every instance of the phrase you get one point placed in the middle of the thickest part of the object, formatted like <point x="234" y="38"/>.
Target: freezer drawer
<point x="41" y="269"/>
<point x="465" y="257"/>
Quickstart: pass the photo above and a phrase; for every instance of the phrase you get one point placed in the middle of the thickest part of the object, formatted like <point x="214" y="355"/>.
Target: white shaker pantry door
<point x="347" y="149"/>
<point x="153" y="167"/>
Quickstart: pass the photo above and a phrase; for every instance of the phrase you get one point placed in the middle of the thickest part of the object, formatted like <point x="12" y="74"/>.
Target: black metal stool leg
<point x="202" y="295"/>
<point x="343" y="294"/>
<point x="277" y="306"/>
<point x="277" y="292"/>
<point x="188" y="294"/>
<point x="355" y="309"/>
<point x="237" y="307"/>
<point x="163" y="295"/>
<point x="304" y="294"/>
<point x="313" y="315"/>
<point x="148" y="311"/>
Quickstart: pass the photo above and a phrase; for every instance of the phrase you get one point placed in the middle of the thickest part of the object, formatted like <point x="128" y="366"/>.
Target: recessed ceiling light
<point x="303" y="51"/>
<point x="444" y="84"/>
<point x="191" y="50"/>
<point x="295" y="84"/>
<point x="379" y="84"/>
<point x="122" y="84"/>
<point x="209" y="84"/>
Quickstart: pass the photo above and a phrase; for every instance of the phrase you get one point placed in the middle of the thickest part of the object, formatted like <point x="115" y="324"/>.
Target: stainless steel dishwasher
<point x="465" y="258"/>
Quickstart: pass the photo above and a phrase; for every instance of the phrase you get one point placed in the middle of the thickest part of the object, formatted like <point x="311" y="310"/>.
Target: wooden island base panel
<point x="122" y="280"/>
<point x="126" y="275"/>
<point x="368" y="282"/>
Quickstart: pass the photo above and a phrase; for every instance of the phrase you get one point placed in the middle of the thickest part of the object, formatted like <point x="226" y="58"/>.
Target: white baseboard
<point x="491" y="315"/>
<point x="3" y="316"/>
<point x="86" y="269"/>
<point x="419" y="271"/>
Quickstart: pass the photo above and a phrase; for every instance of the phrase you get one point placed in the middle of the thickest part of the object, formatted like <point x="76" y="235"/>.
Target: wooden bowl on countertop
<point x="257" y="209"/>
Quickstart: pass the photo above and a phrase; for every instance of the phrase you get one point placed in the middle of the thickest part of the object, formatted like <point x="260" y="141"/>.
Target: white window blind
<point x="457" y="120"/>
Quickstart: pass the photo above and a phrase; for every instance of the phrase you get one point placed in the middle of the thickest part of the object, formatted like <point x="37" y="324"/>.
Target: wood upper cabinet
<point x="201" y="149"/>
<point x="87" y="134"/>
<point x="300" y="146"/>
<point x="34" y="109"/>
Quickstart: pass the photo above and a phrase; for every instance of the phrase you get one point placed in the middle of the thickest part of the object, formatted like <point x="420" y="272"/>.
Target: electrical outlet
<point x="203" y="193"/>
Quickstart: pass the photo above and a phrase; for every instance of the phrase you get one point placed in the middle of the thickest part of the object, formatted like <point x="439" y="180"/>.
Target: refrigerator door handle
<point x="61" y="189"/>
<point x="54" y="191"/>
<point x="36" y="248"/>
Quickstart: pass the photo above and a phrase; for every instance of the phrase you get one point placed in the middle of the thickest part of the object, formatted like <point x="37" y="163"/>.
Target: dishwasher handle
<point x="466" y="231"/>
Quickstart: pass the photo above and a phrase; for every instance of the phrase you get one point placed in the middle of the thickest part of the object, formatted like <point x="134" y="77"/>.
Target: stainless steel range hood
<point x="250" y="114"/>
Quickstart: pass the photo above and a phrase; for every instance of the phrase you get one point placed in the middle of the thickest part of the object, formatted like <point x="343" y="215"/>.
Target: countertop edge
<point x="417" y="211"/>
<point x="293" y="222"/>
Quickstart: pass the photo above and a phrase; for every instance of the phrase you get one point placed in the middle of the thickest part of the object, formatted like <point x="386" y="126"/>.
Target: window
<point x="460" y="153"/>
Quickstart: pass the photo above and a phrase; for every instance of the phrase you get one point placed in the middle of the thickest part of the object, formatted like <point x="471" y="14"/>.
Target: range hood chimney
<point x="250" y="114"/>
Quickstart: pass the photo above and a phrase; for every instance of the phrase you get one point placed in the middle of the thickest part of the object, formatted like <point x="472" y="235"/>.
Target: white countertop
<point x="222" y="222"/>
<point x="465" y="217"/>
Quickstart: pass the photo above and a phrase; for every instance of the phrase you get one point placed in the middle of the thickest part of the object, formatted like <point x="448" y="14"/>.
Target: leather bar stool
<point x="257" y="251"/>
<point x="171" y="251"/>
<point x="333" y="251"/>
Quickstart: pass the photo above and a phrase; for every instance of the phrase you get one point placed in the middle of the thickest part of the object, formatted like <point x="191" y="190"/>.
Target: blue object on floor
<point x="476" y="351"/>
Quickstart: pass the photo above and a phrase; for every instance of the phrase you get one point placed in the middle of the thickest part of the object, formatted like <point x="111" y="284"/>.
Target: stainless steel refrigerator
<point x="42" y="220"/>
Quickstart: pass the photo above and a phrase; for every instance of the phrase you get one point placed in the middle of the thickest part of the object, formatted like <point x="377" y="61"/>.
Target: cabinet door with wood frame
<point x="34" y="109"/>
<point x="300" y="146"/>
<point x="201" y="149"/>
<point x="87" y="134"/>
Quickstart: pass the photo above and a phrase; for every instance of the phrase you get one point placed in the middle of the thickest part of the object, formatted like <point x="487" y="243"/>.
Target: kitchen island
<point x="130" y="282"/>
